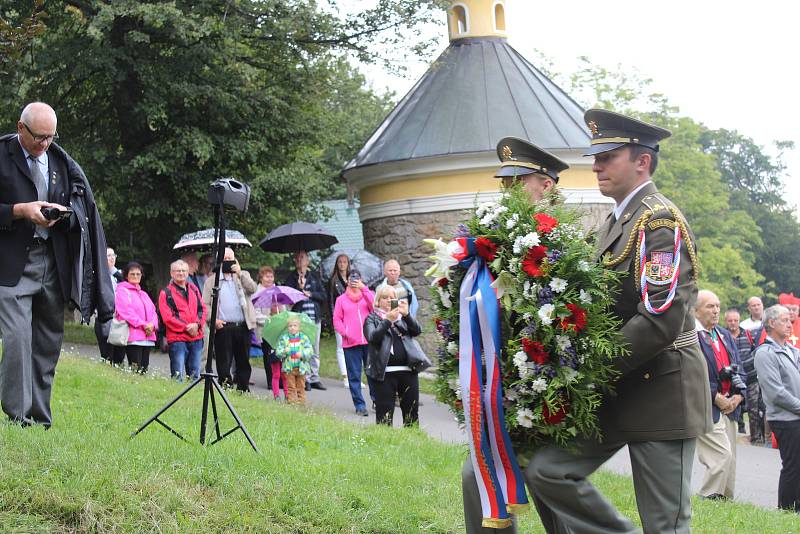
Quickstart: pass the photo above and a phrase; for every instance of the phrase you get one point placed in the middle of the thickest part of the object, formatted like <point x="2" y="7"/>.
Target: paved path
<point x="756" y="473"/>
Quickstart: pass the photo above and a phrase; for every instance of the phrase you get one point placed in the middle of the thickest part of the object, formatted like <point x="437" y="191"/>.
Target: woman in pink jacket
<point x="349" y="315"/>
<point x="134" y="306"/>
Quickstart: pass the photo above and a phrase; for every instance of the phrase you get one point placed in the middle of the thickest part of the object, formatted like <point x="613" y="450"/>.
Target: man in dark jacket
<point x="717" y="449"/>
<point x="46" y="261"/>
<point x="310" y="284"/>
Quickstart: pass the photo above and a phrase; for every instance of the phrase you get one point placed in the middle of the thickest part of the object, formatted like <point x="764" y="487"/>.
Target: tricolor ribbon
<point x="676" y="265"/>
<point x="500" y="482"/>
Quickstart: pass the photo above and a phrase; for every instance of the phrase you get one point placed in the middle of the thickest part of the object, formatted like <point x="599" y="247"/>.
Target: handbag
<point x="417" y="359"/>
<point x="118" y="335"/>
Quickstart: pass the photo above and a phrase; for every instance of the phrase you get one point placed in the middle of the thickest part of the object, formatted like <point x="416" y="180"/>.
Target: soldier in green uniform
<point x="537" y="170"/>
<point x="661" y="403"/>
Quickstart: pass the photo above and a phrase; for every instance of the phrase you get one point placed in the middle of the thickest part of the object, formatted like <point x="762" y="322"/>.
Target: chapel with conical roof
<point x="434" y="155"/>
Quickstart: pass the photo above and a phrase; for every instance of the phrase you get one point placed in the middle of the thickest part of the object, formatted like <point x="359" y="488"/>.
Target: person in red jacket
<point x="184" y="313"/>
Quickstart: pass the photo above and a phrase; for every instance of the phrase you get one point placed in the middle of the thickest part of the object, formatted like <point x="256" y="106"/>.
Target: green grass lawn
<point x="315" y="474"/>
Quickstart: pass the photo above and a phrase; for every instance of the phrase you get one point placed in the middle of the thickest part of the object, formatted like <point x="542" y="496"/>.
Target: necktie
<point x="41" y="190"/>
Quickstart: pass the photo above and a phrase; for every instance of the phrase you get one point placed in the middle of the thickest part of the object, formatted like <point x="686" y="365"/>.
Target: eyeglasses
<point x="40" y="138"/>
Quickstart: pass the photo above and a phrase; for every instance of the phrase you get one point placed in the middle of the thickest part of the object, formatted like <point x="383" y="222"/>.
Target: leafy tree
<point x="156" y="99"/>
<point x="756" y="183"/>
<point x="17" y="28"/>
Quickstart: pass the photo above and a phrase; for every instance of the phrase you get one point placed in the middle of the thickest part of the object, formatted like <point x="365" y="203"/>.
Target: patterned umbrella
<point x="204" y="239"/>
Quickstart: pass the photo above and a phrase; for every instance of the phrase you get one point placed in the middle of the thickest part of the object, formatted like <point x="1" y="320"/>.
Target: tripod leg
<point x="167" y="407"/>
<point x="236" y="417"/>
<point x="204" y="414"/>
<point x="216" y="415"/>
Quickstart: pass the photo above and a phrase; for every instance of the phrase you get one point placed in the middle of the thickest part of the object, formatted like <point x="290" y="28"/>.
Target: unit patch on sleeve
<point x="659" y="267"/>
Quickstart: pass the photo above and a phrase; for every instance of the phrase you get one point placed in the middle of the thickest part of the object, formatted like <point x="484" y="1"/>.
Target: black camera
<point x="227" y="266"/>
<point x="229" y="192"/>
<point x="731" y="373"/>
<point x="55" y="214"/>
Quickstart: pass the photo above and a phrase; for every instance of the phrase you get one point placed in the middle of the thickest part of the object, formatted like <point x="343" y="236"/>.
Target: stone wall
<point x="401" y="237"/>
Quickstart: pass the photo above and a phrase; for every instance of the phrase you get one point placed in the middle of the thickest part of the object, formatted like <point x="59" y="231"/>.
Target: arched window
<point x="460" y="19"/>
<point x="499" y="17"/>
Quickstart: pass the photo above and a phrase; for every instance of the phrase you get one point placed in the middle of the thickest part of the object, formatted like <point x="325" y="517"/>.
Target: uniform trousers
<point x="788" y="435"/>
<point x="568" y="503"/>
<point x="717" y="452"/>
<point x="32" y="324"/>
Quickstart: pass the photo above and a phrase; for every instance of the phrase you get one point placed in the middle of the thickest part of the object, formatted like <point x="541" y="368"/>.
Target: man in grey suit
<point x="661" y="401"/>
<point x="37" y="264"/>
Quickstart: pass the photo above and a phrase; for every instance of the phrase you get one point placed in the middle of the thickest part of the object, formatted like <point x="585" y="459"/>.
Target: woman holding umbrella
<point x="336" y="286"/>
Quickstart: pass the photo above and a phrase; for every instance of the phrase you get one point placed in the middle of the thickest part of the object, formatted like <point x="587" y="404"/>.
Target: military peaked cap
<point x="611" y="130"/>
<point x="519" y="158"/>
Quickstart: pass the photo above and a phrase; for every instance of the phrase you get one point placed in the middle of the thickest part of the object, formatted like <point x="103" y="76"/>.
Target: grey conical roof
<point x="478" y="91"/>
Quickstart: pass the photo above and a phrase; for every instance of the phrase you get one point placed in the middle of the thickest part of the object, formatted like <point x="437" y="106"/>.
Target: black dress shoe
<point x="318" y="385"/>
<point x="362" y="411"/>
<point x="715" y="497"/>
<point x="308" y="386"/>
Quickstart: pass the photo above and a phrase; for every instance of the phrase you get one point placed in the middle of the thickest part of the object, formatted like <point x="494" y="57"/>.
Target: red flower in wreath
<point x="545" y="223"/>
<point x="486" y="248"/>
<point x="532" y="264"/>
<point x="535" y="351"/>
<point x="576" y="320"/>
<point x="553" y="418"/>
<point x="442" y="282"/>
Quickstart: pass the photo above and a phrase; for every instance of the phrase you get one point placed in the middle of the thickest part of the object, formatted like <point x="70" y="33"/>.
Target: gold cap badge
<point x="507" y="153"/>
<point x="593" y="127"/>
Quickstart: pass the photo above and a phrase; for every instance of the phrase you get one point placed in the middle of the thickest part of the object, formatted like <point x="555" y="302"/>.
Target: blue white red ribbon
<point x="500" y="482"/>
<point x="673" y="283"/>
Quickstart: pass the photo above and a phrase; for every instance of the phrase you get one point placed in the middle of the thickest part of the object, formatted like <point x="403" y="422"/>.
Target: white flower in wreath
<point x="445" y="296"/>
<point x="563" y="342"/>
<point x="504" y="283"/>
<point x="558" y="285"/>
<point x="512" y="221"/>
<point x="443" y="259"/>
<point x="525" y="417"/>
<point x="546" y="314"/>
<point x="539" y="385"/>
<point x="584" y="266"/>
<point x="585" y="297"/>
<point x="491" y="215"/>
<point x="454" y="384"/>
<point x="484" y="207"/>
<point x="512" y="394"/>
<point x="452" y="348"/>
<point x="525" y="241"/>
<point x="520" y="358"/>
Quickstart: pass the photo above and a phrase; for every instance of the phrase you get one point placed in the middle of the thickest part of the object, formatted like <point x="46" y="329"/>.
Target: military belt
<point x="684" y="339"/>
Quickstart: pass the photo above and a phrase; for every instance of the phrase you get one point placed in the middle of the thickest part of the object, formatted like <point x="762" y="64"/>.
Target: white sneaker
<point x="363" y="385"/>
<point x="346" y="382"/>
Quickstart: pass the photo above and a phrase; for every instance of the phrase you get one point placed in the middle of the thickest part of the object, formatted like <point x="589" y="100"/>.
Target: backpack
<point x="171" y="300"/>
<point x="756" y="339"/>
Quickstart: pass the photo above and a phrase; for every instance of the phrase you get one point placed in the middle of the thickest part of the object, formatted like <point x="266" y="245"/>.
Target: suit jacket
<point x="737" y="386"/>
<point x="16" y="235"/>
<point x="662" y="393"/>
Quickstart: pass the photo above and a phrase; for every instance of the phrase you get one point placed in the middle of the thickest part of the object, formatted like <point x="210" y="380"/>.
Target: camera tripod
<point x="208" y="378"/>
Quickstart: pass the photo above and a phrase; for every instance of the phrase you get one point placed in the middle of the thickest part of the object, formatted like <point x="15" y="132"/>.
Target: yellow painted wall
<point x="480" y="19"/>
<point x="465" y="182"/>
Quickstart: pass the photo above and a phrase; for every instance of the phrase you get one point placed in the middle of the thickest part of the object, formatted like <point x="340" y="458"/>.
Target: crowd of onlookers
<point x="753" y="369"/>
<point x="374" y="328"/>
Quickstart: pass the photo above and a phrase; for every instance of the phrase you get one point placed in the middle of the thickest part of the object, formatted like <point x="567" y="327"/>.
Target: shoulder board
<point x="657" y="203"/>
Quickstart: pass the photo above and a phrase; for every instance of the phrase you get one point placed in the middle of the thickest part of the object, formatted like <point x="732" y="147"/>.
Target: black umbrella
<point x="298" y="236"/>
<point x="368" y="264"/>
<point x="204" y="239"/>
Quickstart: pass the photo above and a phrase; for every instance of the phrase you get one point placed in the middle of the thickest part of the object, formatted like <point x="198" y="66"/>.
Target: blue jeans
<point x="184" y="358"/>
<point x="355" y="358"/>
